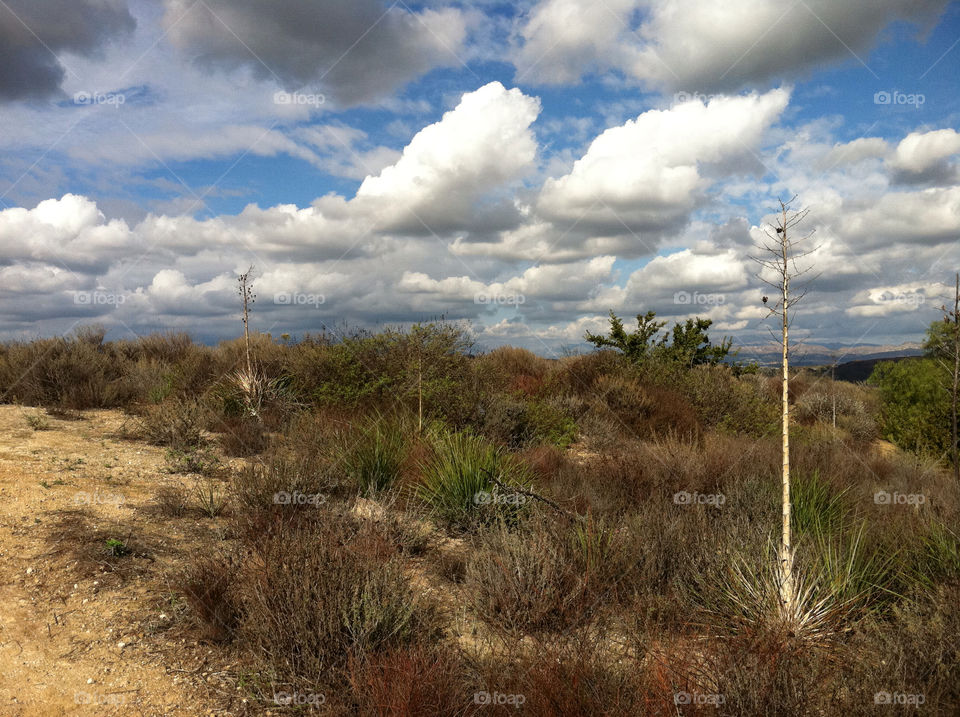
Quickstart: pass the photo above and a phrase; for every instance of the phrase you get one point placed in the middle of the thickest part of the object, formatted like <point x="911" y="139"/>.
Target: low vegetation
<point x="407" y="526"/>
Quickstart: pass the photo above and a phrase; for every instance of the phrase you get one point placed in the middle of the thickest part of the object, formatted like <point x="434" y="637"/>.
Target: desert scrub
<point x="529" y="579"/>
<point x="372" y="456"/>
<point x="177" y="423"/>
<point x="200" y="459"/>
<point x="457" y="481"/>
<point x="36" y="422"/>
<point x="315" y="597"/>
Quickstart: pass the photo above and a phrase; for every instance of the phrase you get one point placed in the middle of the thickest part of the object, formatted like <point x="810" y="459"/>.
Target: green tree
<point x="691" y="345"/>
<point x="915" y="404"/>
<point x="687" y="344"/>
<point x="636" y="345"/>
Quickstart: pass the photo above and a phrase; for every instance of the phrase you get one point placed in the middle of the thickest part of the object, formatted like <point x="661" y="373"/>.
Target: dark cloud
<point x="32" y="32"/>
<point x="356" y="51"/>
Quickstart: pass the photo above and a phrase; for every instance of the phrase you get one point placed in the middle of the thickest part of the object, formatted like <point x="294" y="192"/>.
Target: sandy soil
<point x="83" y="632"/>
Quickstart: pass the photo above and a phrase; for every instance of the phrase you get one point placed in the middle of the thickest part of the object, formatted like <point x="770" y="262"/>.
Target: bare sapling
<point x="781" y="252"/>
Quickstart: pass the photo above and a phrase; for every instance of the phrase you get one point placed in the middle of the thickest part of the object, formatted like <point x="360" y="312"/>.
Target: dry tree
<point x="780" y="254"/>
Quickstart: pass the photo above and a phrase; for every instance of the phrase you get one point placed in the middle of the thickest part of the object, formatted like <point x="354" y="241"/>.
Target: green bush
<point x="372" y="456"/>
<point x="456" y="481"/>
<point x="915" y="404"/>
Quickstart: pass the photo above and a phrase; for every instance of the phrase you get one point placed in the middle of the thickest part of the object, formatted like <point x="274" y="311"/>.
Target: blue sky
<point x="523" y="166"/>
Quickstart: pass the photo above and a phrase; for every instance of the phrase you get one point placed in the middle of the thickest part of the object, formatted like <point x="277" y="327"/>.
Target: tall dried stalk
<point x="781" y="256"/>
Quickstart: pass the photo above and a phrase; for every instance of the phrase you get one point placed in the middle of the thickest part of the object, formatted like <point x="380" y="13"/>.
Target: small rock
<point x="29" y="570"/>
<point x="89" y="680"/>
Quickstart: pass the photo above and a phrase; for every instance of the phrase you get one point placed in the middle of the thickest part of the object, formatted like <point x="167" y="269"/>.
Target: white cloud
<point x="475" y="148"/>
<point x="704" y="45"/>
<point x="923" y="155"/>
<point x="646" y="175"/>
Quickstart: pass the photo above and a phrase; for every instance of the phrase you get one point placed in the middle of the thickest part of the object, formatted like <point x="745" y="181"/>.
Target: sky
<point x="525" y="167"/>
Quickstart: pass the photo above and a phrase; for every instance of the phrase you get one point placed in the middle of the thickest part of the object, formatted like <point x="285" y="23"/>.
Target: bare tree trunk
<point x="787" y="592"/>
<point x="782" y="254"/>
<point x="246" y="328"/>
<point x="956" y="374"/>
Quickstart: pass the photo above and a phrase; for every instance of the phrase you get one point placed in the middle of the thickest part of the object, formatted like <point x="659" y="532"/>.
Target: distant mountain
<point x="820" y="355"/>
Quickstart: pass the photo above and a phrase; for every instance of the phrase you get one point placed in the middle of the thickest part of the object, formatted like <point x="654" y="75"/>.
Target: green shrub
<point x="456" y="480"/>
<point x="915" y="404"/>
<point x="816" y="508"/>
<point x="374" y="455"/>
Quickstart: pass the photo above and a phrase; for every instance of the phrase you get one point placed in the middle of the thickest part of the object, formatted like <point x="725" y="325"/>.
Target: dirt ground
<point x="83" y="632"/>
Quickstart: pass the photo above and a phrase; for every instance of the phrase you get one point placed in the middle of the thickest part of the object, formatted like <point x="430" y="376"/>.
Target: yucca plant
<point x="860" y="577"/>
<point x="457" y="481"/>
<point x="374" y="456"/>
<point x="211" y="497"/>
<point x="937" y="555"/>
<point x="746" y="599"/>
<point x="817" y="508"/>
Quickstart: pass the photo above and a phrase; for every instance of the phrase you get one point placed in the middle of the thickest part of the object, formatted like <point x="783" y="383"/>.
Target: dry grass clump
<point x="176" y="423"/>
<point x="314" y="593"/>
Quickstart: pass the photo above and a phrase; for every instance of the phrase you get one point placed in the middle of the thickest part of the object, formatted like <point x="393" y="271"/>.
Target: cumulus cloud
<point x="702" y="46"/>
<point x="492" y="235"/>
<point x="32" y="34"/>
<point x="924" y="156"/>
<point x="483" y="143"/>
<point x="649" y="174"/>
<point x="356" y="51"/>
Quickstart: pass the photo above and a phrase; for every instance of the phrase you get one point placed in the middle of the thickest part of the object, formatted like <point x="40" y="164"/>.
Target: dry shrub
<point x="312" y="597"/>
<point x="644" y="411"/>
<point x="516" y="369"/>
<point x="177" y="423"/>
<point x="242" y="436"/>
<point x="915" y="653"/>
<point x="641" y="471"/>
<point x="209" y="587"/>
<point x="577" y="374"/>
<point x="545" y="576"/>
<point x="544" y="460"/>
<point x="411" y="681"/>
<point x="172" y="501"/>
<point x="568" y="677"/>
<point x="258" y="488"/>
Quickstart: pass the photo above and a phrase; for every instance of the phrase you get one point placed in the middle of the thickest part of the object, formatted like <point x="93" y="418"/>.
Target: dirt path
<point x="83" y="632"/>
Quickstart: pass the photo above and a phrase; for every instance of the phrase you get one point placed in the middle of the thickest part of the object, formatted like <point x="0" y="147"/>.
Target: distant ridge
<point x="820" y="355"/>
